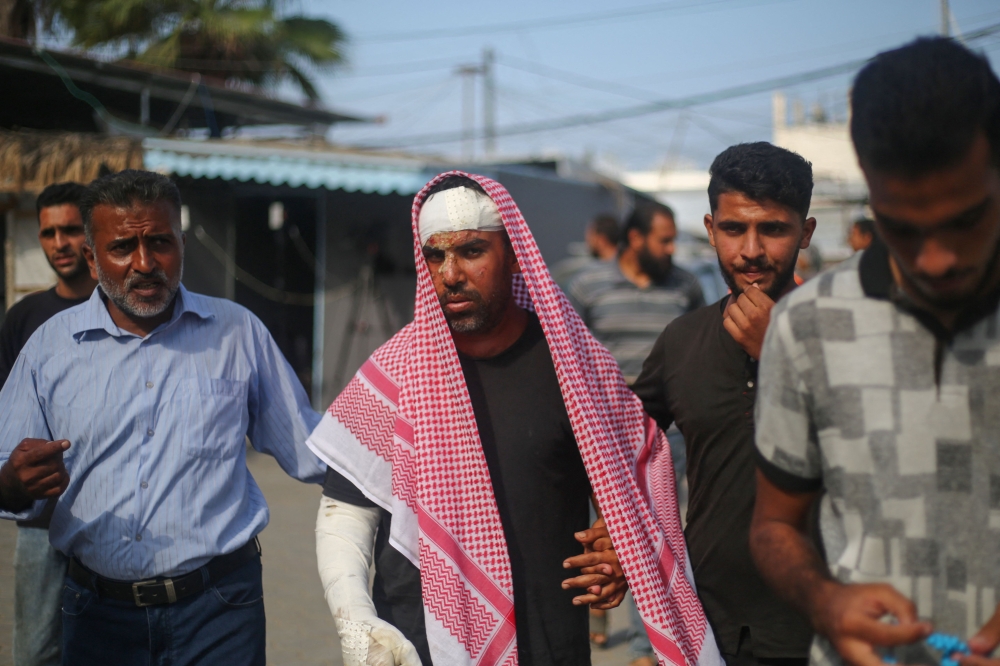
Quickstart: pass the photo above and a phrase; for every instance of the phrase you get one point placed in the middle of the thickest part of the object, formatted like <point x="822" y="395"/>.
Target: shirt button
<point x="149" y="384"/>
<point x="144" y="485"/>
<point x="150" y="432"/>
<point x="138" y="537"/>
<point x="749" y="384"/>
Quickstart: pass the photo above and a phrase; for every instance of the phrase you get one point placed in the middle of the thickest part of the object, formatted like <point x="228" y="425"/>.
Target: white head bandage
<point x="458" y="209"/>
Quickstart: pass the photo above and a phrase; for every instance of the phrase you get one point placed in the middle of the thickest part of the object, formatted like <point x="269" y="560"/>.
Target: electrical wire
<point x="549" y="23"/>
<point x="699" y="99"/>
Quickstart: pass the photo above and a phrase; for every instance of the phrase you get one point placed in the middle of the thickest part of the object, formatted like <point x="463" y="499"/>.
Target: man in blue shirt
<point x="133" y="408"/>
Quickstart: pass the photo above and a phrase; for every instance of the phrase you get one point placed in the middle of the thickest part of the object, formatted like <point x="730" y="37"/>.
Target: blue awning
<point x="281" y="166"/>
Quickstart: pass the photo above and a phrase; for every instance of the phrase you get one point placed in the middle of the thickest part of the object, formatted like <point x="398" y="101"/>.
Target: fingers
<point x="590" y="559"/>
<point x="858" y="653"/>
<point x="738" y="316"/>
<point x="757" y="297"/>
<point x="977" y="660"/>
<point x="614" y="602"/>
<point x="586" y="581"/>
<point x="590" y="536"/>
<point x="35" y="451"/>
<point x="988" y="637"/>
<point x="51" y="485"/>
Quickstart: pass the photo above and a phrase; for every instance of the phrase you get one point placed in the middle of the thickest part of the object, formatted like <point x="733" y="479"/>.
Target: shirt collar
<point x="95" y="315"/>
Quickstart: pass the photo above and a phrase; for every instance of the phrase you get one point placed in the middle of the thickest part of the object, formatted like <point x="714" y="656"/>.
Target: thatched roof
<point x="31" y="161"/>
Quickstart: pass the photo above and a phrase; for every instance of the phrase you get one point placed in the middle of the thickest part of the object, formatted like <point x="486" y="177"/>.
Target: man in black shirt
<point x="462" y="459"/>
<point x="538" y="477"/>
<point x="702" y="375"/>
<point x="39" y="569"/>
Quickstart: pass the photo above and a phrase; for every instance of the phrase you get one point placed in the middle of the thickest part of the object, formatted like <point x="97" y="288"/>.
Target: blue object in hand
<point x="947" y="646"/>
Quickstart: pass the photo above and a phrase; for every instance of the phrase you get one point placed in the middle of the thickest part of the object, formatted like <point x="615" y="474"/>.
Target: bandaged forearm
<point x="345" y="537"/>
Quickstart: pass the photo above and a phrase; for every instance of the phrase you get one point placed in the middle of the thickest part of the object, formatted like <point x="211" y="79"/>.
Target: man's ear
<point x="710" y="229"/>
<point x="515" y="267"/>
<point x="808" y="227"/>
<point x="635" y="240"/>
<point x="88" y="254"/>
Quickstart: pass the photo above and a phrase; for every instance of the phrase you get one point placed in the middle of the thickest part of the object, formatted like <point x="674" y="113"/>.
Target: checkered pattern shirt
<point x="868" y="399"/>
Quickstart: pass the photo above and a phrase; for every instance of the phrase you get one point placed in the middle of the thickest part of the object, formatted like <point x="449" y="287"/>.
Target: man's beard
<point x="72" y="273"/>
<point x="657" y="269"/>
<point x="781" y="279"/>
<point x="136" y="306"/>
<point x="486" y="313"/>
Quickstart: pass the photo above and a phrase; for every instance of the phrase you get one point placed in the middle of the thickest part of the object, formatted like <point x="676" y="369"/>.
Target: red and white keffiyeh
<point x="403" y="431"/>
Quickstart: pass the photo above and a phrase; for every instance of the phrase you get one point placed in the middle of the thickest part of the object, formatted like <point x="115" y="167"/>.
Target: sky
<point x="562" y="59"/>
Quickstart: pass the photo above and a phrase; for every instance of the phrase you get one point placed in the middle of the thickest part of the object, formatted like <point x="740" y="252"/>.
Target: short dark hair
<point x="865" y="226"/>
<point x="918" y="108"/>
<point x="59" y="194"/>
<point x="641" y="218"/>
<point x="762" y="172"/>
<point x="451" y="182"/>
<point x="127" y="188"/>
<point x="606" y="225"/>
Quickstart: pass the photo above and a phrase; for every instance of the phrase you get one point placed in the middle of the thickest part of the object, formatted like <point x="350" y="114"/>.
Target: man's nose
<point x="143" y="260"/>
<point x="934" y="258"/>
<point x="450" y="272"/>
<point x="62" y="240"/>
<point x="752" y="248"/>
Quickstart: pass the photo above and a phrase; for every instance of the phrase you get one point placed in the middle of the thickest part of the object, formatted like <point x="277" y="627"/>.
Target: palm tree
<point x="242" y="42"/>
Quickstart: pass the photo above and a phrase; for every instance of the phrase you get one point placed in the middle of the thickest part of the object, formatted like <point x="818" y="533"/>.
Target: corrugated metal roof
<point x="283" y="166"/>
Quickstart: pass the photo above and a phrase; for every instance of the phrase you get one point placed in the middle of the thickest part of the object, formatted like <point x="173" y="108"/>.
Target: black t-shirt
<point x="542" y="494"/>
<point x="23" y="319"/>
<point x="698" y="377"/>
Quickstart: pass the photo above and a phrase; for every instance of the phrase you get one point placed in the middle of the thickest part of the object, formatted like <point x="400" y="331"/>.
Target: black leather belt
<point x="164" y="590"/>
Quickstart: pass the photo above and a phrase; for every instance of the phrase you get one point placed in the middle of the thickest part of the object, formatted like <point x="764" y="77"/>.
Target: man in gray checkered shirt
<point x="879" y="386"/>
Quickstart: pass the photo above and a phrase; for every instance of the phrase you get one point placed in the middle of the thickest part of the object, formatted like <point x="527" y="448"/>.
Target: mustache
<point x="156" y="277"/>
<point x="463" y="294"/>
<point x="756" y="265"/>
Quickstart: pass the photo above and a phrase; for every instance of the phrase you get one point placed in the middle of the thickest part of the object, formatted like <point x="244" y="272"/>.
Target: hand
<point x="746" y="319"/>
<point x="35" y="470"/>
<point x="388" y="647"/>
<point x="601" y="574"/>
<point x="983" y="643"/>
<point x="850" y="616"/>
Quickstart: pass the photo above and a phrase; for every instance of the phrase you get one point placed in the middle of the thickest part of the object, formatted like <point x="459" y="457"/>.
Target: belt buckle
<point x="137" y="593"/>
<point x="168" y="585"/>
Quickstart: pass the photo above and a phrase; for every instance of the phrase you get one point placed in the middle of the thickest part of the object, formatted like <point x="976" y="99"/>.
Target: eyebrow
<point x="743" y="222"/>
<point x="972" y="211"/>
<point x="468" y="245"/>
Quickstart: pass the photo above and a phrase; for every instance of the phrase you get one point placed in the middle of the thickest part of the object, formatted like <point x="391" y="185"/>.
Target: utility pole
<point x="945" y="19"/>
<point x="489" y="104"/>
<point x="468" y="74"/>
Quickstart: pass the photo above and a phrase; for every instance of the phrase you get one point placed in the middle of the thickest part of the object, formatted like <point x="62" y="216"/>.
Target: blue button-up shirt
<point x="158" y="426"/>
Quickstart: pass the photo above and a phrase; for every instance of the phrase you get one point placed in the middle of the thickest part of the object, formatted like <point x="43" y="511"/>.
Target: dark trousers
<point x="222" y="625"/>
<point x="745" y="657"/>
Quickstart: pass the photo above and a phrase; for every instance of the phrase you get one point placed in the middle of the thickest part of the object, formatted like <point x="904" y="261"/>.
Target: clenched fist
<point x="34" y="471"/>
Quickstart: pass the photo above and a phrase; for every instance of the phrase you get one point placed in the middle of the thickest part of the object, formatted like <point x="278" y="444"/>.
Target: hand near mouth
<point x="746" y="319"/>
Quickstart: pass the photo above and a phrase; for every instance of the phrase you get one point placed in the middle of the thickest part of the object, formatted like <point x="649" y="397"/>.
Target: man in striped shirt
<point x="628" y="302"/>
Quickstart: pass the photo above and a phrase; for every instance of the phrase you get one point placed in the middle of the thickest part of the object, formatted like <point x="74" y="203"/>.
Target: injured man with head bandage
<point x="463" y="457"/>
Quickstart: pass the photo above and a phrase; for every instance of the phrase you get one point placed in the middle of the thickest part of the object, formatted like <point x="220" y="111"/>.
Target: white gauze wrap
<point x="458" y="209"/>
<point x="345" y="539"/>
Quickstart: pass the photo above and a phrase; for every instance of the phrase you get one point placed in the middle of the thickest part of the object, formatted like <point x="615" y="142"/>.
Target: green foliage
<point x="243" y="42"/>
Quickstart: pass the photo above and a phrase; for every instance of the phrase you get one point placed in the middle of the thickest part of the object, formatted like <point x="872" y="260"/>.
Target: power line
<point x="572" y="78"/>
<point x="552" y="22"/>
<point x="699" y="99"/>
<point x="581" y="119"/>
